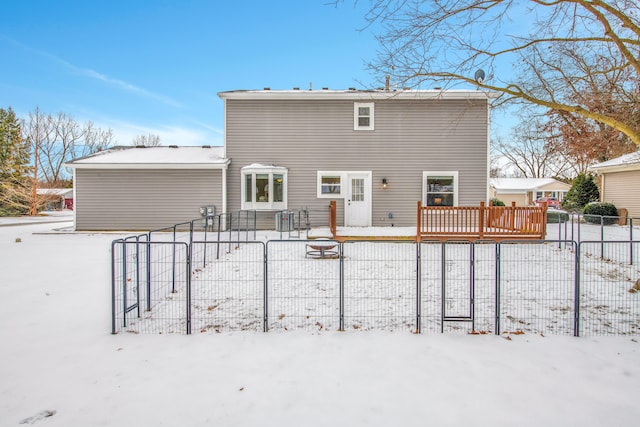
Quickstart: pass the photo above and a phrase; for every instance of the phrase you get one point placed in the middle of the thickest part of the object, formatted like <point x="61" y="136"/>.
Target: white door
<point x="357" y="210"/>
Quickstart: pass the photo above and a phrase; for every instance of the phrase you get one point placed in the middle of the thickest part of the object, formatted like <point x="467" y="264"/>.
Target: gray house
<point x="146" y="188"/>
<point x="375" y="152"/>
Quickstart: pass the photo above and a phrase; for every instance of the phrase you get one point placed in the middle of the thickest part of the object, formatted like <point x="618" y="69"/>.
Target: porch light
<point x="384" y="182"/>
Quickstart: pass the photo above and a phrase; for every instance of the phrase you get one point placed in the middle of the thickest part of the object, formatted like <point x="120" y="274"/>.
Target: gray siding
<point x="621" y="189"/>
<point x="143" y="199"/>
<point x="409" y="137"/>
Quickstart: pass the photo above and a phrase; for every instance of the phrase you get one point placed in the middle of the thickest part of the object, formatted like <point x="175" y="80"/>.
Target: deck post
<point x="332" y="218"/>
<point x="512" y="216"/>
<point x="418" y="222"/>
<point x="481" y="220"/>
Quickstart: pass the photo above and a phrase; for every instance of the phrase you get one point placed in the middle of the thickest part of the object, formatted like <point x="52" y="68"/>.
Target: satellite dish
<point x="479" y="76"/>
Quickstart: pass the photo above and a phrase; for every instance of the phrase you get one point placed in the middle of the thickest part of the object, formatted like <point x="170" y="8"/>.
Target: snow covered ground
<point x="61" y="367"/>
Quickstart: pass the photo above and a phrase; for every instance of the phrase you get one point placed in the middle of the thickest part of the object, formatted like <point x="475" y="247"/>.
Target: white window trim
<point x="426" y="174"/>
<point x="270" y="205"/>
<point x="339" y="195"/>
<point x="371" y="106"/>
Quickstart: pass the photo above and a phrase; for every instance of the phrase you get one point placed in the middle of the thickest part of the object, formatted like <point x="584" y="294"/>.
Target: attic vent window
<point x="363" y="117"/>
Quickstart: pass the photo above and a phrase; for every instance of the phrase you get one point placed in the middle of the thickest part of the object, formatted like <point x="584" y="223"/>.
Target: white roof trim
<point x="356" y="94"/>
<point x="222" y="165"/>
<point x="266" y="168"/>
<point x="626" y="162"/>
<point x="154" y="158"/>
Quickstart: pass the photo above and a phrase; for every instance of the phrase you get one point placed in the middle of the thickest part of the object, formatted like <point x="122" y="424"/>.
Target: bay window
<point x="264" y="187"/>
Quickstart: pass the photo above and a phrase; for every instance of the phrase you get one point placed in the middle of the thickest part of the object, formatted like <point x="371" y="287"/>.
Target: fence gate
<point x="457" y="284"/>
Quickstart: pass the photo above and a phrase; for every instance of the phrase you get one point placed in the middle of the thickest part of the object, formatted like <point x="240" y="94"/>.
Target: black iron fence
<point x="162" y="284"/>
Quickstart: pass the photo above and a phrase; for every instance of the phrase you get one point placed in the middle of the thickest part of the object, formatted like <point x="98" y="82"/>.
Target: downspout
<point x="488" y="160"/>
<point x="224" y="189"/>
<point x="75" y="205"/>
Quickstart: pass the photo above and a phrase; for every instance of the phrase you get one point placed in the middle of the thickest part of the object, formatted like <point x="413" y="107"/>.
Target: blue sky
<point x="156" y="67"/>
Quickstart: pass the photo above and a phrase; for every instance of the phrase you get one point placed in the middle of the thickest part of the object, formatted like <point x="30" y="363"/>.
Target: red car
<point x="552" y="202"/>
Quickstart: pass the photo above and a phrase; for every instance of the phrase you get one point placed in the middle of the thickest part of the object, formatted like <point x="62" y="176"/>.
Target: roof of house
<point x="55" y="191"/>
<point x="622" y="162"/>
<point x="171" y="157"/>
<point x="521" y="184"/>
<point x="353" y="94"/>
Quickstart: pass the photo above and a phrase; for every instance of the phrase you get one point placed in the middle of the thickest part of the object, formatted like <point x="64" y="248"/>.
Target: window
<point x="264" y="187"/>
<point x="329" y="184"/>
<point x="440" y="188"/>
<point x="363" y="117"/>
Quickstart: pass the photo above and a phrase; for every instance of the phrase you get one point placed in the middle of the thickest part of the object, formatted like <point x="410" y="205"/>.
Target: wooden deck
<point x="481" y="222"/>
<point x="466" y="223"/>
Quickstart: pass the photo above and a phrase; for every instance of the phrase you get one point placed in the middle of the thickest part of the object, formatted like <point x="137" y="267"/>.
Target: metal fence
<point x="543" y="287"/>
<point x="580" y="227"/>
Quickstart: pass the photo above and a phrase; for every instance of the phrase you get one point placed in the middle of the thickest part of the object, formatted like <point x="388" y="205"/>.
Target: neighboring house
<point x="56" y="198"/>
<point x="377" y="153"/>
<point x="620" y="182"/>
<point x="525" y="191"/>
<point x="145" y="188"/>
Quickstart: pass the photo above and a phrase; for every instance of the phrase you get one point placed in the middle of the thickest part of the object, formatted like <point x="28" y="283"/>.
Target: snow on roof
<point x="261" y="166"/>
<point x="54" y="191"/>
<point x="625" y="160"/>
<point x="154" y="157"/>
<point x="520" y="184"/>
<point x="356" y="94"/>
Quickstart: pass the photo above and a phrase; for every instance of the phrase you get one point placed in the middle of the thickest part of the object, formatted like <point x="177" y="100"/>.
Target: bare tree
<point x="95" y="139"/>
<point x="528" y="153"/>
<point x="58" y="139"/>
<point x="148" y="140"/>
<point x="66" y="135"/>
<point x="448" y="41"/>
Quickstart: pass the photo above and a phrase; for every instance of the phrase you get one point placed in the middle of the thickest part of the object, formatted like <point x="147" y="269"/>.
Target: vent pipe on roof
<point x="296" y="88"/>
<point x="386" y="83"/>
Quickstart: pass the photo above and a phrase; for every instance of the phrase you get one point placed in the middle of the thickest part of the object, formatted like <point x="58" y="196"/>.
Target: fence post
<point x="601" y="237"/>
<point x="576" y="310"/>
<point x="472" y="284"/>
<point x="138" y="274"/>
<point x="149" y="264"/>
<point x="418" y="288"/>
<point x="630" y="241"/>
<point x="497" y="293"/>
<point x="124" y="283"/>
<point x="341" y="287"/>
<point x="265" y="292"/>
<point x="189" y="248"/>
<point x="443" y="290"/>
<point x="173" y="262"/>
<point x="113" y="287"/>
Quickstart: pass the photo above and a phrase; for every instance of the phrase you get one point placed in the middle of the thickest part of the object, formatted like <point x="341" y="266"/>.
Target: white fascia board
<point x="616" y="168"/>
<point x="221" y="165"/>
<point x="356" y="95"/>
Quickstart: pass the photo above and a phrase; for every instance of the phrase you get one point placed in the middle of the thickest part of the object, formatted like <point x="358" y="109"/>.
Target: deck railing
<point x="481" y="222"/>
